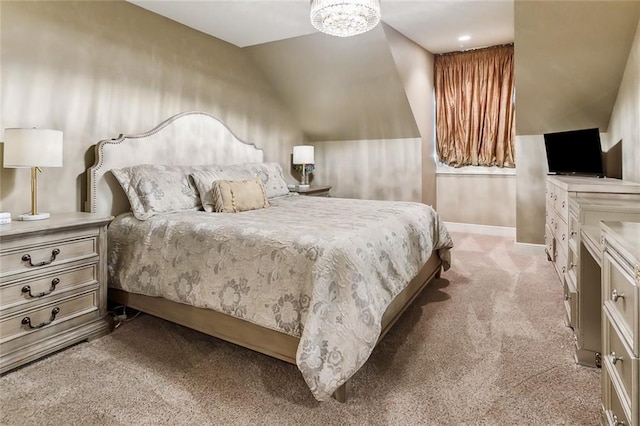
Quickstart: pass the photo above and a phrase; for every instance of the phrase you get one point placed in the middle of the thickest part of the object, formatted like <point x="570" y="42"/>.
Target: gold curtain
<point x="475" y="115"/>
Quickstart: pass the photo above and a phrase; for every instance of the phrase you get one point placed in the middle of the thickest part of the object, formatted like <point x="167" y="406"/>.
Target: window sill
<point x="474" y="170"/>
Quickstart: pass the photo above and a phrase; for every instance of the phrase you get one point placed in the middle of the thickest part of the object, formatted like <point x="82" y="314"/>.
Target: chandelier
<point x="345" y="18"/>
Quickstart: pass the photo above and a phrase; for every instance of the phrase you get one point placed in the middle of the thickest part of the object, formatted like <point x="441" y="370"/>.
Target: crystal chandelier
<point x="345" y="18"/>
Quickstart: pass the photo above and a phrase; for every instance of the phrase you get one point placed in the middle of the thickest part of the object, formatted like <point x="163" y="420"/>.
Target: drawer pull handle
<point x="54" y="253"/>
<point x="564" y="269"/>
<point x="27" y="320"/>
<point x="563" y="204"/>
<point x="617" y="422"/>
<point x="615" y="295"/>
<point x="566" y="297"/>
<point x="614" y="358"/>
<point x="563" y="237"/>
<point x="54" y="283"/>
<point x="573" y="233"/>
<point x="572" y="265"/>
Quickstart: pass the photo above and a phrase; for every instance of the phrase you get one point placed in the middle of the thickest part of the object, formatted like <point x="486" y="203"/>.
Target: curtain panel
<point x="475" y="112"/>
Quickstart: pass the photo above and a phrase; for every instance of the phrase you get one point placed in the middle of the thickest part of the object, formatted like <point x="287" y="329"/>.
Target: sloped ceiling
<point x="569" y="57"/>
<point x="569" y="61"/>
<point x="339" y="88"/>
<point x="433" y="24"/>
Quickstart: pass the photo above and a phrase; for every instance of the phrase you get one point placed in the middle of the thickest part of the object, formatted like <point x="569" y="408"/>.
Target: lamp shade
<point x="303" y="154"/>
<point x="32" y="148"/>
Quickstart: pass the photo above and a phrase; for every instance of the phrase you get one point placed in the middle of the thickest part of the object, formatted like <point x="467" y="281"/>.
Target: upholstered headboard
<point x="189" y="138"/>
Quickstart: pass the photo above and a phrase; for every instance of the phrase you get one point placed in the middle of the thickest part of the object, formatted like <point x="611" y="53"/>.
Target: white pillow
<point x="272" y="179"/>
<point x="269" y="173"/>
<point x="203" y="180"/>
<point x="155" y="189"/>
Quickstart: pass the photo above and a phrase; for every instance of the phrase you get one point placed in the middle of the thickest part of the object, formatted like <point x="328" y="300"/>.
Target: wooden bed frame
<point x="198" y="138"/>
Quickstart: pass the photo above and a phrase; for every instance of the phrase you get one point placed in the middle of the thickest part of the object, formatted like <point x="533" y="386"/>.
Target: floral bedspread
<point x="321" y="269"/>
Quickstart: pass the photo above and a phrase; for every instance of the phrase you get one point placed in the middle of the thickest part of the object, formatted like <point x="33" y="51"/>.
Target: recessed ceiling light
<point x="464" y="38"/>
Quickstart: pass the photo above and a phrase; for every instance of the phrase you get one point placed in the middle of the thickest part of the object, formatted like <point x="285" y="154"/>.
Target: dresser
<point x="621" y="323"/>
<point x="52" y="285"/>
<point x="574" y="208"/>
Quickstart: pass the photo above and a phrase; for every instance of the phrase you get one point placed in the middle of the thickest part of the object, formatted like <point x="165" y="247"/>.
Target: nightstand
<point x="313" y="190"/>
<point x="53" y="288"/>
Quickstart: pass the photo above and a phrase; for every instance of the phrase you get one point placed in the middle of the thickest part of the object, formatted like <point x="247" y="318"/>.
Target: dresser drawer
<point x="574" y="229"/>
<point x="33" y="258"/>
<point x="561" y="261"/>
<point x="623" y="366"/>
<point x="550" y="243"/>
<point x="550" y="193"/>
<point x="44" y="317"/>
<point x="572" y="264"/>
<point x="562" y="236"/>
<point x="40" y="288"/>
<point x="561" y="203"/>
<point x="620" y="296"/>
<point x="570" y="301"/>
<point x="614" y="411"/>
<point x="551" y="222"/>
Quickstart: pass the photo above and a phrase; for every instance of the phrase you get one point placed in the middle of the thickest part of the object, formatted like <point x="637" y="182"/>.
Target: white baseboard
<point x="500" y="231"/>
<point x="529" y="248"/>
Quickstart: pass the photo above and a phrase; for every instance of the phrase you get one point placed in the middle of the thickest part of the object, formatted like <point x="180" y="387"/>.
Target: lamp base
<point x="303" y="186"/>
<point x="37" y="216"/>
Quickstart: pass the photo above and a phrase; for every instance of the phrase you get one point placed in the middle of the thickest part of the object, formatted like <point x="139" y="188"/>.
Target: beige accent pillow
<point x="238" y="196"/>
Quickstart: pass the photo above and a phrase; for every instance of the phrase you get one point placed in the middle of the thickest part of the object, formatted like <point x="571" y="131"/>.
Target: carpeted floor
<point x="485" y="344"/>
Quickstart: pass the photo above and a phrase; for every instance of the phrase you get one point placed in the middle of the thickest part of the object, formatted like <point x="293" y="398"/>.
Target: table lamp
<point x="32" y="148"/>
<point x="303" y="154"/>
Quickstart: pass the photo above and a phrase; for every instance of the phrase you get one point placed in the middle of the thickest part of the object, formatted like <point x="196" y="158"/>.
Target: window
<point x="475" y="111"/>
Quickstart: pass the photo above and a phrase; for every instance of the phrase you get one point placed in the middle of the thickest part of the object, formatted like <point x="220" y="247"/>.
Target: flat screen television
<point x="574" y="152"/>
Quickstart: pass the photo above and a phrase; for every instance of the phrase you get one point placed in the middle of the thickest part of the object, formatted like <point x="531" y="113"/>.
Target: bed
<point x="313" y="281"/>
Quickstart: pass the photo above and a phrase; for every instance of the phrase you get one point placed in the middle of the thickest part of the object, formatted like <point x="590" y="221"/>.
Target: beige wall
<point x="387" y="169"/>
<point x="481" y="199"/>
<point x="415" y="66"/>
<point x="569" y="61"/>
<point x="358" y="94"/>
<point x="339" y="88"/>
<point x="625" y="119"/>
<point x="531" y="175"/>
<point x="97" y="69"/>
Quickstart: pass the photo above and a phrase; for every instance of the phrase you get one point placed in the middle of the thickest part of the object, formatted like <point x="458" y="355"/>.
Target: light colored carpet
<point x="485" y="344"/>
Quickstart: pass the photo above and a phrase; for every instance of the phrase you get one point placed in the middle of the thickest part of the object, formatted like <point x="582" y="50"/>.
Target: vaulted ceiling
<point x="569" y="56"/>
<point x="435" y="25"/>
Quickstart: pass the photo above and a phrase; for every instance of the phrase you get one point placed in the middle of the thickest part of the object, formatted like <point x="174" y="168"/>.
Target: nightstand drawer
<point x="50" y="316"/>
<point x="34" y="258"/>
<point x="45" y="286"/>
